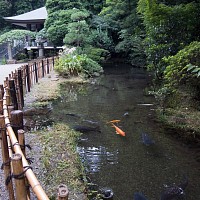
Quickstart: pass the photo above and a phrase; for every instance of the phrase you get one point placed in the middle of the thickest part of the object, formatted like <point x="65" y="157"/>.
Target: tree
<point x="168" y="30"/>
<point x="11" y="36"/>
<point x="23" y="6"/>
<point x="5" y="10"/>
<point x="126" y="29"/>
<point x="78" y="29"/>
<point x="59" y="15"/>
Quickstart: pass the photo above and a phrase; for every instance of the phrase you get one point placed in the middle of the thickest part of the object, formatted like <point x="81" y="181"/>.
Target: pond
<point x="147" y="158"/>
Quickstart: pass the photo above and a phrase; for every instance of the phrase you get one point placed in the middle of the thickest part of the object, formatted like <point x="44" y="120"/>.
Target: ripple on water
<point x="95" y="157"/>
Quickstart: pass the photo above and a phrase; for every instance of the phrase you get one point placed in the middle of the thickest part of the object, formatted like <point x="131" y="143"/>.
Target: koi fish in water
<point x="114" y="121"/>
<point x="118" y="130"/>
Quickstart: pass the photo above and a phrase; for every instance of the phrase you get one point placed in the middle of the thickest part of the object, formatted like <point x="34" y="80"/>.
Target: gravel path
<point x="5" y="70"/>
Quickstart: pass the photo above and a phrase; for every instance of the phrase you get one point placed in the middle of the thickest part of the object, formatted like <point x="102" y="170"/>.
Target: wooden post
<point x="15" y="77"/>
<point x="42" y="68"/>
<point x="53" y="61"/>
<point x="1" y="106"/>
<point x="63" y="192"/>
<point x="24" y="79"/>
<point x="47" y="66"/>
<point x="5" y="156"/>
<point x="1" y="91"/>
<point x="20" y="84"/>
<point x="36" y="73"/>
<point x="19" y="181"/>
<point x="13" y="94"/>
<point x="28" y="78"/>
<point x="17" y="121"/>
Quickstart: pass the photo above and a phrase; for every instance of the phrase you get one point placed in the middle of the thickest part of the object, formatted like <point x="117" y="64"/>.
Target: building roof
<point x="36" y="16"/>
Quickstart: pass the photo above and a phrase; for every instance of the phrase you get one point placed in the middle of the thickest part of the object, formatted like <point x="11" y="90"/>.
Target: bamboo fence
<point x="15" y="164"/>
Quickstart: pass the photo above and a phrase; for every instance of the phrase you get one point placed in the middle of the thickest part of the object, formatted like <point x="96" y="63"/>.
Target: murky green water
<point x="125" y="164"/>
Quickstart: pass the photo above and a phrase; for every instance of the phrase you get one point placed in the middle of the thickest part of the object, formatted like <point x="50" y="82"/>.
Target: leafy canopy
<point x="15" y="35"/>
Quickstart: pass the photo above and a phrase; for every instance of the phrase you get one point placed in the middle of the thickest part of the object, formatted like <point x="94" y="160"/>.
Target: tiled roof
<point x="38" y="15"/>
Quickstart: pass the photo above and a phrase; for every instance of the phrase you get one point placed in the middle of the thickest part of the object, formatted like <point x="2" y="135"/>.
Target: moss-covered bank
<point x="180" y="113"/>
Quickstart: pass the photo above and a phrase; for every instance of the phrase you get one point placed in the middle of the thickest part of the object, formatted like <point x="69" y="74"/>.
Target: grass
<point x="60" y="161"/>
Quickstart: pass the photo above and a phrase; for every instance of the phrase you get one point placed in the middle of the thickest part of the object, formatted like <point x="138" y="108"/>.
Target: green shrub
<point x="97" y="54"/>
<point x="21" y="56"/>
<point x="73" y="64"/>
<point x="179" y="67"/>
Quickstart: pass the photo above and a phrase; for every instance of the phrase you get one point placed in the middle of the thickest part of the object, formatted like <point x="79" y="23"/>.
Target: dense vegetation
<point x="162" y="35"/>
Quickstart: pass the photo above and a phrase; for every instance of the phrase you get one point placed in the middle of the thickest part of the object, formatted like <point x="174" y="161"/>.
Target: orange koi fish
<point x="118" y="130"/>
<point x="114" y="121"/>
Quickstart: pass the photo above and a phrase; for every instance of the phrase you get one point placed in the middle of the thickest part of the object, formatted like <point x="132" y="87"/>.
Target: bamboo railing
<point x="15" y="164"/>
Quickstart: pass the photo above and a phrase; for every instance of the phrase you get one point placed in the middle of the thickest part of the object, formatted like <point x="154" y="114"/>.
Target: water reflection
<point x="95" y="157"/>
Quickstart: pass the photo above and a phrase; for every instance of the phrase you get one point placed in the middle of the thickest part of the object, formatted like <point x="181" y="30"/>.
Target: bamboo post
<point x="5" y="156"/>
<point x="17" y="121"/>
<point x="63" y="192"/>
<point x="35" y="185"/>
<point x="13" y="93"/>
<point x="21" y="139"/>
<point x="10" y="109"/>
<point x="18" y="174"/>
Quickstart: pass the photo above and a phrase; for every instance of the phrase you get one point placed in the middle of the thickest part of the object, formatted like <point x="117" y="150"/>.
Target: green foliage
<point x="61" y="15"/>
<point x="101" y="39"/>
<point x="5" y="10"/>
<point x="23" y="6"/>
<point x="3" y="61"/>
<point x="168" y="29"/>
<point x="15" y="35"/>
<point x="182" y="67"/>
<point x="77" y="34"/>
<point x="21" y="56"/>
<point x="79" y="16"/>
<point x="132" y="46"/>
<point x="194" y="69"/>
<point x="126" y="29"/>
<point x="58" y="5"/>
<point x="97" y="54"/>
<point x="73" y="64"/>
<point x="56" y="25"/>
<point x="161" y="96"/>
<point x="94" y="6"/>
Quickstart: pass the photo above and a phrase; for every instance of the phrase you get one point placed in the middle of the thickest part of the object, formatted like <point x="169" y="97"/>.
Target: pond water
<point x="126" y="164"/>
